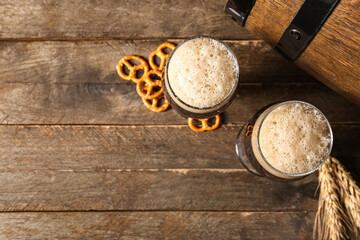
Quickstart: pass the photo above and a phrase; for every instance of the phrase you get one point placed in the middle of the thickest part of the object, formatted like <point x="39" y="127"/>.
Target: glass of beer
<point x="201" y="77"/>
<point x="285" y="141"/>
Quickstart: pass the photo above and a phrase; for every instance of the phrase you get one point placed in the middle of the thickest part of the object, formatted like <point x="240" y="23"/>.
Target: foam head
<point x="295" y="138"/>
<point x="202" y="72"/>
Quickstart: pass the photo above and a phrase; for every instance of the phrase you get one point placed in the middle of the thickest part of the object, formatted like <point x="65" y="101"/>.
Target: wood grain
<point x="140" y="175"/>
<point x="117" y="168"/>
<point x="157" y="225"/>
<point x="76" y="83"/>
<point x="269" y="19"/>
<point x="109" y="19"/>
<point x="95" y="61"/>
<point x="334" y="54"/>
<point x="152" y="189"/>
<point x="118" y="103"/>
<point x="102" y="148"/>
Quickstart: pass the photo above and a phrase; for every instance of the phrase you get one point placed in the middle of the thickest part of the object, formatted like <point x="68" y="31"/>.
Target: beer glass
<point x="250" y="145"/>
<point x="181" y="103"/>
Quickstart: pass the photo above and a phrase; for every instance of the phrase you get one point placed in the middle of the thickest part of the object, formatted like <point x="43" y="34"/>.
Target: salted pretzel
<point x="133" y="69"/>
<point x="160" y="53"/>
<point x="145" y="86"/>
<point x="204" y="124"/>
<point x="153" y="106"/>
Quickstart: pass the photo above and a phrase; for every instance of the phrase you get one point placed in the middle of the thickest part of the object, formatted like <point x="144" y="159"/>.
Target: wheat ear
<point x="349" y="192"/>
<point x="330" y="220"/>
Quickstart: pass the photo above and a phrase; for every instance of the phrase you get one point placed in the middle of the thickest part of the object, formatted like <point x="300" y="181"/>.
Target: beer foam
<point x="295" y="138"/>
<point x="202" y="72"/>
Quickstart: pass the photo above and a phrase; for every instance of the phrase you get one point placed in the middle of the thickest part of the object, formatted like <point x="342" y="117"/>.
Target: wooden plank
<point x="111" y="19"/>
<point x="117" y="168"/>
<point x="152" y="189"/>
<point x="118" y="103"/>
<point x="115" y="147"/>
<point x="94" y="62"/>
<point x="101" y="148"/>
<point x="76" y="82"/>
<point x="157" y="225"/>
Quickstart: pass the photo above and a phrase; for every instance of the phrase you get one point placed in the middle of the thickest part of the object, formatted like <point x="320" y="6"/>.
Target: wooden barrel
<point x="332" y="55"/>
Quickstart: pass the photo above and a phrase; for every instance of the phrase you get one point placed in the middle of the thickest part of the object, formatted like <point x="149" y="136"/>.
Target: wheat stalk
<point x="331" y="220"/>
<point x="349" y="192"/>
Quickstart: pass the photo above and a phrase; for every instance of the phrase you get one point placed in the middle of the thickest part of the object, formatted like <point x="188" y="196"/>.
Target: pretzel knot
<point x="133" y="69"/>
<point x="153" y="106"/>
<point x="160" y="54"/>
<point x="145" y="86"/>
<point x="204" y="124"/>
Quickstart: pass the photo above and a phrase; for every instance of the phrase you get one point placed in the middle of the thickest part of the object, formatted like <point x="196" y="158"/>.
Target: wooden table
<point x="81" y="157"/>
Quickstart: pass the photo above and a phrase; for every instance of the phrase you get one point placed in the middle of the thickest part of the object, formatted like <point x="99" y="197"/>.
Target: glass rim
<point x="233" y="90"/>
<point x="272" y="108"/>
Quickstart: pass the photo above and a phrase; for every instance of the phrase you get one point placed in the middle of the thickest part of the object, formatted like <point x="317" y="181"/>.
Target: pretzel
<point x="154" y="105"/>
<point x="159" y="53"/>
<point x="204" y="124"/>
<point x="249" y="131"/>
<point x="132" y="68"/>
<point x="146" y="90"/>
